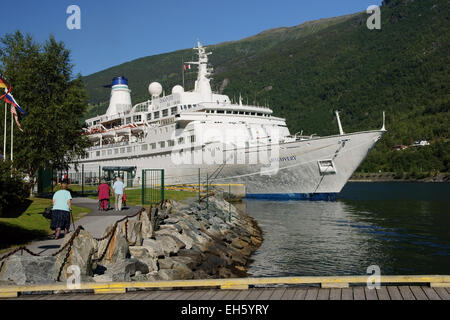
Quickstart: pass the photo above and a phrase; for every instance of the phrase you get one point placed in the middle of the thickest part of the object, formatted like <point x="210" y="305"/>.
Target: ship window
<point x="149" y="116"/>
<point x="109" y="152"/>
<point x="185" y="107"/>
<point x="156" y="115"/>
<point x="194" y="105"/>
<point x="97" y="153"/>
<point x="153" y="145"/>
<point x="259" y="114"/>
<point x="220" y="111"/>
<point x="128" y="149"/>
<point x="165" y="113"/>
<point x="173" y="110"/>
<point x="189" y="106"/>
<point x="122" y="150"/>
<point x="252" y="113"/>
<point x="162" y="144"/>
<point x="142" y="108"/>
<point x="144" y="147"/>
<point x="180" y="140"/>
<point x="170" y="143"/>
<point x="116" y="151"/>
<point x="137" y="118"/>
<point x="192" y="139"/>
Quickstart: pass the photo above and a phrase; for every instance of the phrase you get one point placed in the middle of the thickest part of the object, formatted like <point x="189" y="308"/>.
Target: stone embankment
<point x="173" y="241"/>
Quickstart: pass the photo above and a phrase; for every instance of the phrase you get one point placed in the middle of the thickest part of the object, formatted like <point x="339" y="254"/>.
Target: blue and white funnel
<point x="120" y="101"/>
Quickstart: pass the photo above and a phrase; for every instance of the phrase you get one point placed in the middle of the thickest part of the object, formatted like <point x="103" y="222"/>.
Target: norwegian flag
<point x="14" y="112"/>
<point x="186" y="67"/>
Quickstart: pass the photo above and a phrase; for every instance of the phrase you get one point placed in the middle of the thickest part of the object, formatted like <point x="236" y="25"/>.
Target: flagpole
<point x="4" y="135"/>
<point x="12" y="136"/>
<point x="182" y="69"/>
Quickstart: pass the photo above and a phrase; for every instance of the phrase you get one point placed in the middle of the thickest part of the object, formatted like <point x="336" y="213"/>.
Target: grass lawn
<point x="134" y="196"/>
<point x="23" y="227"/>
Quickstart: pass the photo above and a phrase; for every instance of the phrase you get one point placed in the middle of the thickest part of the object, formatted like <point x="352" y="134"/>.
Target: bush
<point x="13" y="189"/>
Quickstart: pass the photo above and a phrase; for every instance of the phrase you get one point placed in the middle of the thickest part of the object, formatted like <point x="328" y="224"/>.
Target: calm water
<point x="402" y="227"/>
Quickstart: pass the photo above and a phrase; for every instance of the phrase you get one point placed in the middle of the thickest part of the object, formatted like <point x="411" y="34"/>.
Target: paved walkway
<point x="95" y="223"/>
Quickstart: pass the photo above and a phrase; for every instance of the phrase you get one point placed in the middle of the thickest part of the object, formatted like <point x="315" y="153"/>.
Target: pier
<point x="288" y="288"/>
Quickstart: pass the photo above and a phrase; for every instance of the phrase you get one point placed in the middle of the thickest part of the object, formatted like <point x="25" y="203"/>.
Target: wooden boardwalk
<point x="282" y="293"/>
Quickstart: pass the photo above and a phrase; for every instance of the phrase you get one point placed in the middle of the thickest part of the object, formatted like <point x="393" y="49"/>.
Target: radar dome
<point x="155" y="89"/>
<point x="177" y="89"/>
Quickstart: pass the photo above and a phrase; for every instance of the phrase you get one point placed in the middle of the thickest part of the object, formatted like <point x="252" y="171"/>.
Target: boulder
<point x="131" y="231"/>
<point x="82" y="253"/>
<point x="24" y="270"/>
<point x="168" y="245"/>
<point x="122" y="270"/>
<point x="154" y="247"/>
<point x="147" y="228"/>
<point x="115" y="251"/>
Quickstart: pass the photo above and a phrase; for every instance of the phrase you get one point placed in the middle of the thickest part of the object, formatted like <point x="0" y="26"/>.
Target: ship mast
<point x="202" y="85"/>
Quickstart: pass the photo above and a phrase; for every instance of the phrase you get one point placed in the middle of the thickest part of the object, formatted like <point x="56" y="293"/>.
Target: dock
<point x="433" y="287"/>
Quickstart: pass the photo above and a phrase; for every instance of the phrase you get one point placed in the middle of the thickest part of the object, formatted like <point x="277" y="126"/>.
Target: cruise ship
<point x="188" y="132"/>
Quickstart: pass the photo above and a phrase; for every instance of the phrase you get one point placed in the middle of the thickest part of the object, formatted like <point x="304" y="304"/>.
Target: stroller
<point x="99" y="205"/>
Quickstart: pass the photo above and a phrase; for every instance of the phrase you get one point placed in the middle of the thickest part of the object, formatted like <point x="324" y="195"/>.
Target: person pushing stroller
<point x="103" y="195"/>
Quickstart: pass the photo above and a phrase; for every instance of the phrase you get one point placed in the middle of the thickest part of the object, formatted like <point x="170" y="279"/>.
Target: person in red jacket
<point x="103" y="195"/>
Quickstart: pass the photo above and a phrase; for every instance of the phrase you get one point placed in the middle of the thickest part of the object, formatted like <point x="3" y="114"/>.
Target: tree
<point x="43" y="85"/>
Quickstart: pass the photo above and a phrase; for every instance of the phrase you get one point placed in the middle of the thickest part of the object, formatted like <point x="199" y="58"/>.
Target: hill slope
<point x="306" y="72"/>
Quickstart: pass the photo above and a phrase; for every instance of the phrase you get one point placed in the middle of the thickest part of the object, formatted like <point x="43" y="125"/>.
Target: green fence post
<point x="82" y="180"/>
<point x="143" y="186"/>
<point x="162" y="185"/>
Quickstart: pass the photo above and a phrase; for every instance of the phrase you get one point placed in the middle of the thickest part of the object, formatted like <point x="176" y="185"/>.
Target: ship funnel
<point x="120" y="101"/>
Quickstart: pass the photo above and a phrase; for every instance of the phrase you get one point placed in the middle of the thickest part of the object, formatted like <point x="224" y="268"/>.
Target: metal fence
<point x="152" y="186"/>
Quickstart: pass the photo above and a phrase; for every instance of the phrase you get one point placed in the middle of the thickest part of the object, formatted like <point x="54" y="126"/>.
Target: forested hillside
<point x="304" y="73"/>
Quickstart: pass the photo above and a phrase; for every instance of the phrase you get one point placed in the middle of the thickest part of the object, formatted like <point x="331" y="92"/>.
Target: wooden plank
<point x="418" y="293"/>
<point x="165" y="295"/>
<point x="358" y="293"/>
<point x="289" y="294"/>
<point x="431" y="294"/>
<point x="371" y="294"/>
<point x="406" y="293"/>
<point x="444" y="294"/>
<point x="175" y="294"/>
<point x="208" y="294"/>
<point x="254" y="294"/>
<point x="324" y="294"/>
<point x="383" y="294"/>
<point x="347" y="294"/>
<point x="300" y="294"/>
<point x="242" y="295"/>
<point x="151" y="295"/>
<point x="277" y="293"/>
<point x="312" y="293"/>
<point x="197" y="294"/>
<point x="220" y="294"/>
<point x="394" y="293"/>
<point x="335" y="294"/>
<point x="232" y="294"/>
<point x="266" y="294"/>
<point x="186" y="294"/>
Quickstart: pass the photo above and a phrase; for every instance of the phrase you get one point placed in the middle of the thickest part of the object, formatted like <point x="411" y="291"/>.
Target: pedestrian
<point x="103" y="195"/>
<point x="61" y="210"/>
<point x="118" y="192"/>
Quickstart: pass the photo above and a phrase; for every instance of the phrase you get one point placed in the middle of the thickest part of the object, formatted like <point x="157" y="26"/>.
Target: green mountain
<point x="306" y="72"/>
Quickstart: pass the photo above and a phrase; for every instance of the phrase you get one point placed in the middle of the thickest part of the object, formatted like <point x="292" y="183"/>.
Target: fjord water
<point x="404" y="228"/>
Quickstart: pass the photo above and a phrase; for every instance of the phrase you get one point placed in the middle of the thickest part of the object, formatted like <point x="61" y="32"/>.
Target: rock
<point x="175" y="274"/>
<point x="103" y="278"/>
<point x="81" y="254"/>
<point x="22" y="270"/>
<point x="154" y="247"/>
<point x="168" y="245"/>
<point x="131" y="230"/>
<point x="151" y="263"/>
<point x="117" y="249"/>
<point x="147" y="228"/>
<point x="122" y="270"/>
<point x="171" y="220"/>
<point x="186" y="242"/>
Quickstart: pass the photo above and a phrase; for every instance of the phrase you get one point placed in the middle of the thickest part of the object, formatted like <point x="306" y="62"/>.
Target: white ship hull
<point x="294" y="174"/>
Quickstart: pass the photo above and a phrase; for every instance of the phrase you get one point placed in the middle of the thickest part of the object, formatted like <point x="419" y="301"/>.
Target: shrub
<point x="13" y="189"/>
